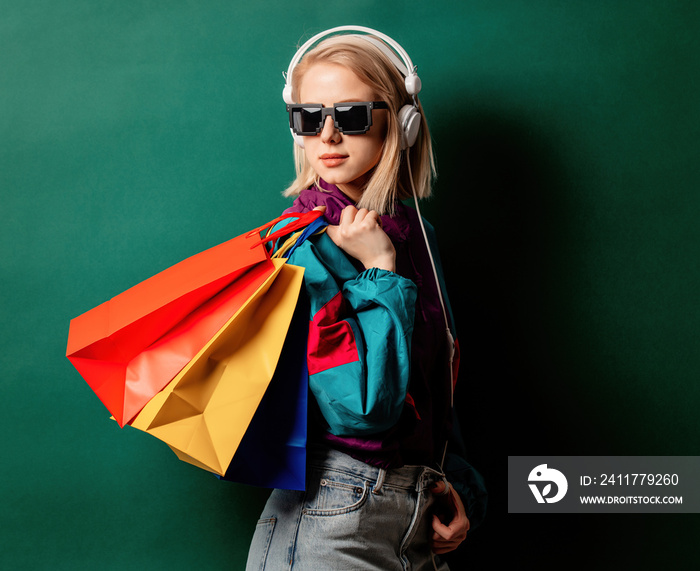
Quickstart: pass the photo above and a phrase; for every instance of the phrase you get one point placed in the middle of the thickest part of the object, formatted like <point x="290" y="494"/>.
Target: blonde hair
<point x="390" y="180"/>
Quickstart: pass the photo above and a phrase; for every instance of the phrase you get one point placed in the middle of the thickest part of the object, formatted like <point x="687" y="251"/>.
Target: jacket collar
<point x="330" y="196"/>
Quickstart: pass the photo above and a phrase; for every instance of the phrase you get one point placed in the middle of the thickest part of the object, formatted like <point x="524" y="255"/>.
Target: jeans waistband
<point x="410" y="478"/>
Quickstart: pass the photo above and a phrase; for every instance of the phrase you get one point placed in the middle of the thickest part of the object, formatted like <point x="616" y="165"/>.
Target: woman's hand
<point x="452" y="530"/>
<point x="360" y="235"/>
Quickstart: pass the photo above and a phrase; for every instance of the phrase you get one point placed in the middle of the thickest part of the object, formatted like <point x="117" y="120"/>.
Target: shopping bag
<point x="204" y="412"/>
<point x="130" y="347"/>
<point x="272" y="453"/>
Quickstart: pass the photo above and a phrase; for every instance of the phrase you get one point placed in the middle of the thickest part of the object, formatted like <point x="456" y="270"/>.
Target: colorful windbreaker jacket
<point x="377" y="350"/>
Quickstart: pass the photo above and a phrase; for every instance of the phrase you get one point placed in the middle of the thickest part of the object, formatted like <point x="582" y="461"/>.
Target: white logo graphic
<point x="542" y="474"/>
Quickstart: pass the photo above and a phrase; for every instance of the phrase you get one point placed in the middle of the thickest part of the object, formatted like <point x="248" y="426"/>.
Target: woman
<point x="378" y="349"/>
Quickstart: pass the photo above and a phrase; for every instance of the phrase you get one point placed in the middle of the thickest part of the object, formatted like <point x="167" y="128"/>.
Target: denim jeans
<point x="351" y="517"/>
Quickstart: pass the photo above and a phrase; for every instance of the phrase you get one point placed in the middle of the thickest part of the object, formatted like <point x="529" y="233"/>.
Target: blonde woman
<point x="381" y="492"/>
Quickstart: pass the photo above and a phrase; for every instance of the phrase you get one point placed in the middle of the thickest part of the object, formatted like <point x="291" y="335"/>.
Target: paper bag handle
<point x="302" y="220"/>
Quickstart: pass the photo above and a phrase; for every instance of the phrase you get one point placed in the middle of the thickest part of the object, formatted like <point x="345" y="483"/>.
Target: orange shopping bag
<point x="130" y="347"/>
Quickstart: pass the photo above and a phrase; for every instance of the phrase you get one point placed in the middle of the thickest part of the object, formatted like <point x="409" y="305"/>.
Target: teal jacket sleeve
<point x="359" y="347"/>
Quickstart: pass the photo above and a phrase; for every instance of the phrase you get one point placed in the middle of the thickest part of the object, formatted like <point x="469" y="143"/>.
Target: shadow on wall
<point x="499" y="210"/>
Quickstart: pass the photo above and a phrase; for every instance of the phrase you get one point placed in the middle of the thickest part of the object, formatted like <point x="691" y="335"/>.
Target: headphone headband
<point x="404" y="65"/>
<point x="408" y="116"/>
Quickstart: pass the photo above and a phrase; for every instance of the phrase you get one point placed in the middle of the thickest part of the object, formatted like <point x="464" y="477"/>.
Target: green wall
<point x="134" y="134"/>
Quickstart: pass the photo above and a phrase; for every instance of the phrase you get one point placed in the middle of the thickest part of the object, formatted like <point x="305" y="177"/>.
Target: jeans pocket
<point x="260" y="544"/>
<point x="336" y="494"/>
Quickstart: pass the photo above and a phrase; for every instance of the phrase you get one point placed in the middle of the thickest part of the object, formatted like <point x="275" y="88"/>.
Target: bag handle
<point x="302" y="220"/>
<point x="318" y="225"/>
<point x="297" y="238"/>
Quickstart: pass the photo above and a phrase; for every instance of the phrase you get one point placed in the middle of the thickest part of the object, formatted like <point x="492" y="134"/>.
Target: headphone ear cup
<point x="409" y="124"/>
<point x="287" y="94"/>
<point x="298" y="139"/>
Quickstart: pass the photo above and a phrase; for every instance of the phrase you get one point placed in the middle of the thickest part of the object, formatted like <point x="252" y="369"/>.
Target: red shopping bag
<point x="130" y="347"/>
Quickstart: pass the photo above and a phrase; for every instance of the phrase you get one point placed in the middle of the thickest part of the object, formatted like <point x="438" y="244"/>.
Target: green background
<point x="134" y="134"/>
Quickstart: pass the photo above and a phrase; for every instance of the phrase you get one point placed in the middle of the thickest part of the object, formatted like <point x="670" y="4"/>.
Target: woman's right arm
<point x="359" y="339"/>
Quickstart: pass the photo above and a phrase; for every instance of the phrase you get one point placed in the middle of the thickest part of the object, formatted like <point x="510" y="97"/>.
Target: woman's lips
<point x="333" y="159"/>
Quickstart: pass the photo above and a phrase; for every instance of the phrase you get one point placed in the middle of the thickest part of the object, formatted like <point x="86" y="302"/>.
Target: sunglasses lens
<point x="306" y="120"/>
<point x="352" y="118"/>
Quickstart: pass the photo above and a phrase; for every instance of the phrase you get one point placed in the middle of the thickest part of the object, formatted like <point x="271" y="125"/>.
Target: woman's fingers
<point x="361" y="236"/>
<point x="447" y="535"/>
<point x="347" y="216"/>
<point x="361" y="215"/>
<point x="372" y="215"/>
<point x="352" y="218"/>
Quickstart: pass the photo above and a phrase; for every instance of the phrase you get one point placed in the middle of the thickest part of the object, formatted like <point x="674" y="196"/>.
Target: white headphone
<point x="409" y="115"/>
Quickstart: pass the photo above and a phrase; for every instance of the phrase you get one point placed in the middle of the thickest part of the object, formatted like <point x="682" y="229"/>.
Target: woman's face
<point x="343" y="160"/>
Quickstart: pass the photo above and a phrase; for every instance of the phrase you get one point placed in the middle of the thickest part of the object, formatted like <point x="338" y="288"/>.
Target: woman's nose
<point x="329" y="134"/>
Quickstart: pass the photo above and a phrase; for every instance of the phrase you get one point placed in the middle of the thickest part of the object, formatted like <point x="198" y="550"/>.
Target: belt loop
<point x="380" y="481"/>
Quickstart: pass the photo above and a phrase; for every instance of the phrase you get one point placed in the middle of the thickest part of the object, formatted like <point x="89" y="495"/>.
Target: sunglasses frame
<point x="326" y="111"/>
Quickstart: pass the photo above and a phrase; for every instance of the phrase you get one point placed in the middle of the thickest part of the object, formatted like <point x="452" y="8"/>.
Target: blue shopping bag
<point x="272" y="453"/>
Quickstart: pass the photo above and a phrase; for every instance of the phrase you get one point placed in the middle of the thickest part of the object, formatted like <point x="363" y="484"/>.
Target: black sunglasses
<point x="351" y="118"/>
